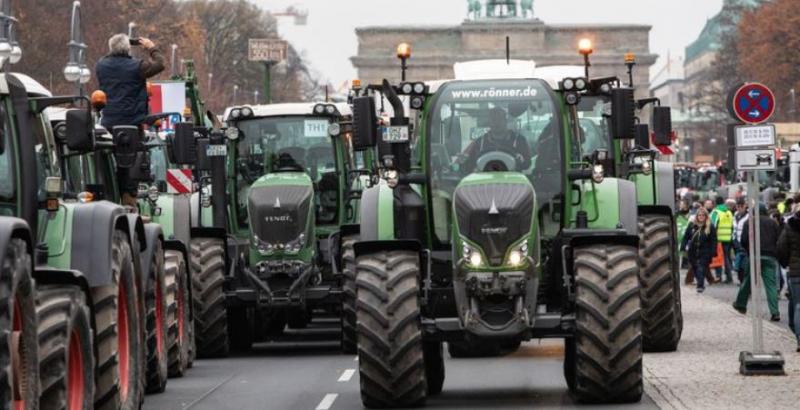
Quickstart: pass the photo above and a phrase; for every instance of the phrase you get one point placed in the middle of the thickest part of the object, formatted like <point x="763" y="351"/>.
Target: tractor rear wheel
<point x="390" y="347"/>
<point x="19" y="361"/>
<point x="349" y="342"/>
<point x="117" y="334"/>
<point x="179" y="319"/>
<point x="433" y="353"/>
<point x="662" y="320"/>
<point x="65" y="347"/>
<point x="208" y="277"/>
<point x="608" y="336"/>
<point x="156" y="328"/>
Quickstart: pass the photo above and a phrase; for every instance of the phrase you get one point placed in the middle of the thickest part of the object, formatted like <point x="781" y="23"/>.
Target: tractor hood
<point x="494" y="210"/>
<point x="280" y="207"/>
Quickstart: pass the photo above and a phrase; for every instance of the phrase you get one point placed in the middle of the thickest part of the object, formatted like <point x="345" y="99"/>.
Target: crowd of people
<point x="714" y="243"/>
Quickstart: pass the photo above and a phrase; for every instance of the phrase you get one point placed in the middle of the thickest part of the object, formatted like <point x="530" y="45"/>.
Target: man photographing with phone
<point x="124" y="80"/>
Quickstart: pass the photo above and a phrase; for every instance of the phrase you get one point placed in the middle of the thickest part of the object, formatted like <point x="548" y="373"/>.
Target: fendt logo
<point x="282" y="218"/>
<point x="499" y="230"/>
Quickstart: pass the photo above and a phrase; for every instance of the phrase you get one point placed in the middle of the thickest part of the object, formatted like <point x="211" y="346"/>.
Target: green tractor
<point x="467" y="238"/>
<point x="287" y="193"/>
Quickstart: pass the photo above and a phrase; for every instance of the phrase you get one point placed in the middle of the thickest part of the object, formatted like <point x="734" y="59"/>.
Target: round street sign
<point x="752" y="103"/>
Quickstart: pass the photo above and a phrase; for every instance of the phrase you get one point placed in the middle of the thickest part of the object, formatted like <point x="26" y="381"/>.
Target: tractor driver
<point x="498" y="138"/>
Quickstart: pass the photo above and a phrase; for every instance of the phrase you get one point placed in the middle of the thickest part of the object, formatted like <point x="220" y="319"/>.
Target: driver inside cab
<point x="498" y="138"/>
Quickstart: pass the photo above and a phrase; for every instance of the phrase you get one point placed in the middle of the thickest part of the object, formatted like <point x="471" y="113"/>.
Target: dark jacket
<point x="789" y="246"/>
<point x="514" y="145"/>
<point x="770" y="231"/>
<point x="123" y="79"/>
<point x="702" y="246"/>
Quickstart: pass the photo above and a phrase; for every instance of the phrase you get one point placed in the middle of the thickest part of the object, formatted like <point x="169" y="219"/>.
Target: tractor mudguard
<point x="47" y="275"/>
<point x="617" y="200"/>
<point x="368" y="247"/>
<point x="152" y="234"/>
<point x="94" y="224"/>
<point x="579" y="237"/>
<point x="656" y="210"/>
<point x="665" y="184"/>
<point x="377" y="213"/>
<point x="11" y="227"/>
<point x="181" y="214"/>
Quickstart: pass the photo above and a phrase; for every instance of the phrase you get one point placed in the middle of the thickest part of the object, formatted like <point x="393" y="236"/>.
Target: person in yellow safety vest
<point x="723" y="221"/>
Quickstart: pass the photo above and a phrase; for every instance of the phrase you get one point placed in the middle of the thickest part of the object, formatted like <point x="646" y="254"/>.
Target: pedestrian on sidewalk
<point x="722" y="219"/>
<point x="789" y="257"/>
<point x="770" y="232"/>
<point x="740" y="253"/>
<point x="681" y="222"/>
<point x="700" y="241"/>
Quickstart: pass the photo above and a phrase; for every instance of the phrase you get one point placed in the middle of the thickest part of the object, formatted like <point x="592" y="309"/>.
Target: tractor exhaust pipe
<point x="399" y="117"/>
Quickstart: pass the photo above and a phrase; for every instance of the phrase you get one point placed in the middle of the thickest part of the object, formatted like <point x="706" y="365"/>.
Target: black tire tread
<point x="208" y="276"/>
<point x="156" y="366"/>
<point x="175" y="277"/>
<point x="349" y="336"/>
<point x="390" y="347"/>
<point x="608" y="338"/>
<point x="63" y="310"/>
<point x="660" y="285"/>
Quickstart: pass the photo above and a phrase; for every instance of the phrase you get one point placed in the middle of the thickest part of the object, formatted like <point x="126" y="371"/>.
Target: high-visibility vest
<point x="724" y="225"/>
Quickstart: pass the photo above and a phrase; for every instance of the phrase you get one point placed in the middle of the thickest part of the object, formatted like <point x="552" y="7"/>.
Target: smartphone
<point x="136" y="41"/>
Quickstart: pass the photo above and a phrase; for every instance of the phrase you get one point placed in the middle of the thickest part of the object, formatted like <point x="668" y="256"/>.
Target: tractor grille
<point x="279" y="214"/>
<point x="494" y="216"/>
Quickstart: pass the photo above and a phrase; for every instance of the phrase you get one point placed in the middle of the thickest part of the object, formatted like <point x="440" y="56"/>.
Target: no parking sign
<point x="752" y="103"/>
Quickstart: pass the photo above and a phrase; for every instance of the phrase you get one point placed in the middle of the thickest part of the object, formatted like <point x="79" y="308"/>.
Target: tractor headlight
<point x="568" y="84"/>
<point x="319" y="109"/>
<point x="297" y="244"/>
<point x="580" y="84"/>
<point x="518" y="255"/>
<point x="236" y="113"/>
<point x="419" y="88"/>
<point x="471" y="255"/>
<point x="391" y="178"/>
<point x="247" y="112"/>
<point x="330" y="109"/>
<point x="407" y="88"/>
<point x="598" y="173"/>
<point x="205" y="197"/>
<point x="417" y="102"/>
<point x="647" y="167"/>
<point x="152" y="193"/>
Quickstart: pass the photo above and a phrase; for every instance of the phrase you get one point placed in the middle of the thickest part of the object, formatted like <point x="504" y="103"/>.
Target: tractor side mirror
<point x="365" y="124"/>
<point x="642" y="135"/>
<point x="623" y="113"/>
<point x="127" y="140"/>
<point x="184" y="144"/>
<point x="80" y="130"/>
<point x="662" y="125"/>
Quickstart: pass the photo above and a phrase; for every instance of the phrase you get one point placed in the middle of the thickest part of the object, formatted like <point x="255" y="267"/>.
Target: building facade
<point x="483" y="36"/>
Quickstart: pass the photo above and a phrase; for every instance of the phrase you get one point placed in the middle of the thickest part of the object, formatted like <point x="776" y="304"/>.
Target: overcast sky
<point x="329" y="40"/>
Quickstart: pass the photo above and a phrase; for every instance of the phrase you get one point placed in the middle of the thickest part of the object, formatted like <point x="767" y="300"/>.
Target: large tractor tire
<point x="659" y="279"/>
<point x="19" y="361"/>
<point x="608" y="336"/>
<point x="65" y="348"/>
<point x="156" y="324"/>
<point x="390" y="347"/>
<point x="179" y="319"/>
<point x="118" y="371"/>
<point x="208" y="277"/>
<point x="433" y="353"/>
<point x="349" y="337"/>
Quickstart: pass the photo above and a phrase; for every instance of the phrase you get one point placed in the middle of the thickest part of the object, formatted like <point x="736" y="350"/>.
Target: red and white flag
<point x="168" y="97"/>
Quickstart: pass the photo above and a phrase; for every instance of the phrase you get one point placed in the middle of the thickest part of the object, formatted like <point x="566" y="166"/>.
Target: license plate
<point x="216" y="150"/>
<point x="395" y="134"/>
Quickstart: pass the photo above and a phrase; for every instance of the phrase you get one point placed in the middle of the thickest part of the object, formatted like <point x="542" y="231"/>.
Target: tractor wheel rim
<point x="75" y="373"/>
<point x="159" y="320"/>
<point x="17" y="359"/>
<point x="122" y="342"/>
<point x="181" y="312"/>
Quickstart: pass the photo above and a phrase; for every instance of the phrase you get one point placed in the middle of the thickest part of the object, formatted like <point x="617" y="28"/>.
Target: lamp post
<point x="6" y="21"/>
<point x="403" y="53"/>
<point x="210" y="77"/>
<point x="585" y="49"/>
<point x="76" y="70"/>
<point x="630" y="62"/>
<point x="235" y="93"/>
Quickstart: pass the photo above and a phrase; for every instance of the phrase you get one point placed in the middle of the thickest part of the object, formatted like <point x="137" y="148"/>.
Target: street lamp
<point x="210" y="76"/>
<point x="585" y="48"/>
<point x="235" y="92"/>
<point x="76" y="70"/>
<point x="403" y="53"/>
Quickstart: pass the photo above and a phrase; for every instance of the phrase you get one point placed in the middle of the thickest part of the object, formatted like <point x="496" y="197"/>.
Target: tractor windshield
<point x="296" y="143"/>
<point x="496" y="125"/>
<point x="593" y="115"/>
<point x="7" y="175"/>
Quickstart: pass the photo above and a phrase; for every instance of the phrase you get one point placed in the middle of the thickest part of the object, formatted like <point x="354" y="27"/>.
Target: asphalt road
<point x="314" y="375"/>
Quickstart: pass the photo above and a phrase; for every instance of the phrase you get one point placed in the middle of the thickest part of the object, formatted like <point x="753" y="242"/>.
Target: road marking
<point x="347" y="375"/>
<point x="208" y="393"/>
<point x="327" y="401"/>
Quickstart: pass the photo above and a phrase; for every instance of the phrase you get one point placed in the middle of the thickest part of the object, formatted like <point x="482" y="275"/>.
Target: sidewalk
<point x="704" y="372"/>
